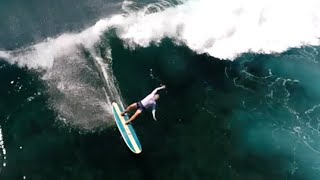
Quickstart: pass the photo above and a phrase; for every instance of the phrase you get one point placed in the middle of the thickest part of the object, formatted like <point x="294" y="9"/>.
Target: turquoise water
<point x="255" y="117"/>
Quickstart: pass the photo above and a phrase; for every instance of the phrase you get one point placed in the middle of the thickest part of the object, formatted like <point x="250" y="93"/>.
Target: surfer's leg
<point x="133" y="106"/>
<point x="133" y="117"/>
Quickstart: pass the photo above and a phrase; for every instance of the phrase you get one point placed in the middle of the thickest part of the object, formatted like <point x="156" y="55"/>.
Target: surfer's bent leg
<point x="133" y="117"/>
<point x="133" y="106"/>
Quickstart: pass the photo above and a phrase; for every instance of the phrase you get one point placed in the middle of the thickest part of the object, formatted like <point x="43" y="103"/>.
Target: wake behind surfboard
<point x="127" y="131"/>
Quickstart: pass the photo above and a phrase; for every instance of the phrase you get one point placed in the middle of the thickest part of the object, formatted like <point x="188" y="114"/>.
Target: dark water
<point x="25" y="22"/>
<point x="256" y="117"/>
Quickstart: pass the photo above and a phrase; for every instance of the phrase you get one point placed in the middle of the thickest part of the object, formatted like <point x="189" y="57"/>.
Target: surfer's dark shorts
<point x="140" y="106"/>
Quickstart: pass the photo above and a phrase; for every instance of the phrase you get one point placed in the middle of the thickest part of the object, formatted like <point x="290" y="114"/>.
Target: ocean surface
<point x="242" y="100"/>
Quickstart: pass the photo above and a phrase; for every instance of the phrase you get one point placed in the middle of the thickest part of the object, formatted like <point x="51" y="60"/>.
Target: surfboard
<point x="127" y="132"/>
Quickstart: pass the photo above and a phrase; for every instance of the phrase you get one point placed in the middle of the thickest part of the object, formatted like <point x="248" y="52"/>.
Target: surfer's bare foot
<point x="123" y="113"/>
<point x="127" y="122"/>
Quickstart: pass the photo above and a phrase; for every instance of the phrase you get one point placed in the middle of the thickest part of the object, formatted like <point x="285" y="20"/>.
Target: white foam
<point x="225" y="29"/>
<point x="4" y="54"/>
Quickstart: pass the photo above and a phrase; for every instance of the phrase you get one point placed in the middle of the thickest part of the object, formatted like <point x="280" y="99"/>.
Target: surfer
<point x="146" y="103"/>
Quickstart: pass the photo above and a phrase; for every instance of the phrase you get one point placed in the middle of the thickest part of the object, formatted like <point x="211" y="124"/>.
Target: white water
<point x="4" y="54"/>
<point x="225" y="29"/>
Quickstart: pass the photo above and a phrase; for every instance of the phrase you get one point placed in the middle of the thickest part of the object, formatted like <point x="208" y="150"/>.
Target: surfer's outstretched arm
<point x="157" y="89"/>
<point x="154" y="112"/>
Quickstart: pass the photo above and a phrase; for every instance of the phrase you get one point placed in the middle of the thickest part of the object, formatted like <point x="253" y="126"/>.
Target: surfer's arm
<point x="157" y="89"/>
<point x="154" y="112"/>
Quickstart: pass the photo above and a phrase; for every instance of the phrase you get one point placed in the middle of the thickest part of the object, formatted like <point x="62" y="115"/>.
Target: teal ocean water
<point x="242" y="100"/>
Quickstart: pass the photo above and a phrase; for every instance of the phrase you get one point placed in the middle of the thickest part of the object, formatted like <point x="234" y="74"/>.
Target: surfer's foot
<point x="123" y="113"/>
<point x="127" y="122"/>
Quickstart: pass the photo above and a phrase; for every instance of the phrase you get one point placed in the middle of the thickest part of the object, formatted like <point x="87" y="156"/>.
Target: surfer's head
<point x="156" y="97"/>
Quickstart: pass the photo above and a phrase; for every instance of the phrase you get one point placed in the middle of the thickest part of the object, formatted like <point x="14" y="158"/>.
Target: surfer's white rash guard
<point x="149" y="101"/>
